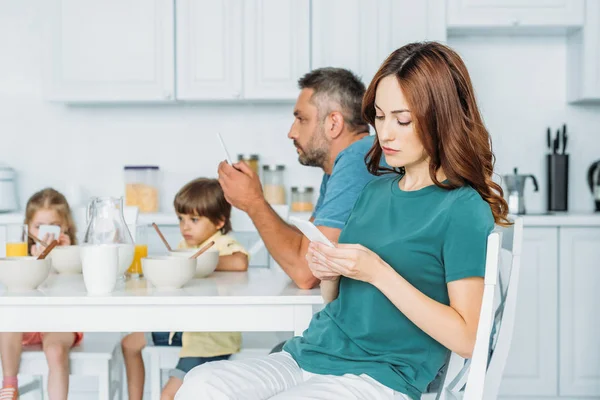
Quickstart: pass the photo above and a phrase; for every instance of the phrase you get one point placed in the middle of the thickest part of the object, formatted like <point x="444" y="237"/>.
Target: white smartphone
<point x="224" y="149"/>
<point x="49" y="229"/>
<point x="311" y="231"/>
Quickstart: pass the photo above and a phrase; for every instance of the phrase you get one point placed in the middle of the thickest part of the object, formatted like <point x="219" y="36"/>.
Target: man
<point x="329" y="133"/>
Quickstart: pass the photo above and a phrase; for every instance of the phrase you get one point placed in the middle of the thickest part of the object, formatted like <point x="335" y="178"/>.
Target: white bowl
<point x="23" y="273"/>
<point x="168" y="272"/>
<point x="206" y="263"/>
<point x="66" y="259"/>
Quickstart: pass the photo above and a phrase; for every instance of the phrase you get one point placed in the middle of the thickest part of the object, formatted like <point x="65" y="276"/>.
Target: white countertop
<point x="568" y="219"/>
<point x="563" y="219"/>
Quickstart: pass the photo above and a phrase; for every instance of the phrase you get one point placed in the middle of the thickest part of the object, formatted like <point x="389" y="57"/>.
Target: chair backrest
<point x="479" y="377"/>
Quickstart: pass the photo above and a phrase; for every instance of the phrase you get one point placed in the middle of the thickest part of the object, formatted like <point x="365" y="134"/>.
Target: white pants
<point x="276" y="376"/>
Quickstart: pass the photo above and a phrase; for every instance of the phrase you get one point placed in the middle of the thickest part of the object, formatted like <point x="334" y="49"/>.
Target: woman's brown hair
<point x="438" y="89"/>
<point x="205" y="198"/>
<point x="53" y="200"/>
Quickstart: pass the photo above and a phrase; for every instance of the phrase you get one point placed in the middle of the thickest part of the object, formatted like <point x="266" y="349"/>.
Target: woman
<point x="410" y="286"/>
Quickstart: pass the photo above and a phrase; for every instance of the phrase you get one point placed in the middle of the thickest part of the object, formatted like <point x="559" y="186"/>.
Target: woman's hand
<point x="350" y="260"/>
<point x="319" y="269"/>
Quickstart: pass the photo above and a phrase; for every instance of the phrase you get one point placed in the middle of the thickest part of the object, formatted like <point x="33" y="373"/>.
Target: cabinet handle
<point x="237" y="95"/>
<point x="515" y="22"/>
<point x="168" y="95"/>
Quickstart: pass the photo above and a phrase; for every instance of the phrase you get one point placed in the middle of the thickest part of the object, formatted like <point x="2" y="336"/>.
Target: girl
<point x="407" y="285"/>
<point x="46" y="207"/>
<point x="204" y="216"/>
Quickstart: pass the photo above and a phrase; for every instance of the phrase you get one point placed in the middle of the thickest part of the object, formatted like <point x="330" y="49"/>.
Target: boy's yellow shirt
<point x="211" y="344"/>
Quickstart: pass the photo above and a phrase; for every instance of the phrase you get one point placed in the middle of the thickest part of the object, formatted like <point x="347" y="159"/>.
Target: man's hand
<point x="241" y="185"/>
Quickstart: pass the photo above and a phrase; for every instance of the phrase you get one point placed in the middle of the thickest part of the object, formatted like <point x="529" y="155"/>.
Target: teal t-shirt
<point x="430" y="237"/>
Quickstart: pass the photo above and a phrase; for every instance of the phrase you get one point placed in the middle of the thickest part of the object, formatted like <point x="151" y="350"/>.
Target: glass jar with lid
<point x="273" y="185"/>
<point x="141" y="187"/>
<point x="302" y="199"/>
<point x="251" y="160"/>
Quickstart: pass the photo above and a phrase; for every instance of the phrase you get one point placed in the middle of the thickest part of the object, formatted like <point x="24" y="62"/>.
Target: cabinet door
<point x="364" y="32"/>
<point x="489" y="14"/>
<point x="532" y="368"/>
<point x="209" y="49"/>
<point x="583" y="58"/>
<point x="276" y="47"/>
<point x="109" y="51"/>
<point x="579" y="322"/>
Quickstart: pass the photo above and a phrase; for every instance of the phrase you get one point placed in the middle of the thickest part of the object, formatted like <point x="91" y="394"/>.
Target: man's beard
<point x="316" y="152"/>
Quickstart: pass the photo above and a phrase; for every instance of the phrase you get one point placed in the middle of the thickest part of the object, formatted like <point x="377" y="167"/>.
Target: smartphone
<point x="49" y="229"/>
<point x="311" y="231"/>
<point x="224" y="149"/>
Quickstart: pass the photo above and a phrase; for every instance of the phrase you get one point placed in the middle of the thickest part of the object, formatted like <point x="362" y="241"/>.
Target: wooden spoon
<point x="48" y="250"/>
<point x="161" y="236"/>
<point x="37" y="240"/>
<point x="202" y="250"/>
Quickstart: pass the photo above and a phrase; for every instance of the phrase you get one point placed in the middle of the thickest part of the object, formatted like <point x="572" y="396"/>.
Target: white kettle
<point x="8" y="189"/>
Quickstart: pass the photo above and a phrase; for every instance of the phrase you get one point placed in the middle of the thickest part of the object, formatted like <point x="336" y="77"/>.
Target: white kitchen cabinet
<point x="531" y="368"/>
<point x="276" y="47"/>
<point x="579" y="322"/>
<point x="506" y="15"/>
<point x="109" y="51"/>
<point x="209" y="49"/>
<point x="583" y="58"/>
<point x="360" y="34"/>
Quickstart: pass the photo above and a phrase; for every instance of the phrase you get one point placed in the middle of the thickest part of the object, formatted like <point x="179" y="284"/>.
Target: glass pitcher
<point x="106" y="225"/>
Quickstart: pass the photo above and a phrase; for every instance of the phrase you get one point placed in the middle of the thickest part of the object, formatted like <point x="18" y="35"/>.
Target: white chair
<point x="101" y="359"/>
<point x="479" y="378"/>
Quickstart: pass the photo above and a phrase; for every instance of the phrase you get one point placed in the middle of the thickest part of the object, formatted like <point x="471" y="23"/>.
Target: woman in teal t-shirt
<point x="407" y="285"/>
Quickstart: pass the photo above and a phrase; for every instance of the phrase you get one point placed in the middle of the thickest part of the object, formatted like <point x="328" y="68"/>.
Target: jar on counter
<point x="302" y="199"/>
<point x="141" y="187"/>
<point x="251" y="160"/>
<point x="273" y="187"/>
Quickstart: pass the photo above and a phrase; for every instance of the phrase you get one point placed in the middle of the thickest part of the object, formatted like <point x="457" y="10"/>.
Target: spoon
<point x="37" y="240"/>
<point x="202" y="250"/>
<point x="161" y="236"/>
<point x="48" y="250"/>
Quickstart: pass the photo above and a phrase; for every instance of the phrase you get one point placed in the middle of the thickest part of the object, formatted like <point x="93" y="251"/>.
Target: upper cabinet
<point x="506" y="15"/>
<point x="124" y="51"/>
<point x="276" y="47"/>
<point x="583" y="58"/>
<point x="360" y="34"/>
<point x="109" y="51"/>
<point x="209" y="49"/>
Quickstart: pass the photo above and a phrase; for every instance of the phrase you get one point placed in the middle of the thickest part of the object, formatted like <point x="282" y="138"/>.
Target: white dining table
<point x="260" y="300"/>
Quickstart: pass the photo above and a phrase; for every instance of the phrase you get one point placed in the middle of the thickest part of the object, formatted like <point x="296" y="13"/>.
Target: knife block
<point x="558" y="181"/>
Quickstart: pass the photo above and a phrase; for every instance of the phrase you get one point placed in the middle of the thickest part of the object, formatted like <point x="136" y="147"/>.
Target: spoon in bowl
<point x="48" y="250"/>
<point x="161" y="236"/>
<point x="203" y="249"/>
<point x="37" y="240"/>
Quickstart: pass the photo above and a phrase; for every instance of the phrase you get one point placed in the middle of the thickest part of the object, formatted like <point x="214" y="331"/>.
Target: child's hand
<point x="64" y="240"/>
<point x="36" y="250"/>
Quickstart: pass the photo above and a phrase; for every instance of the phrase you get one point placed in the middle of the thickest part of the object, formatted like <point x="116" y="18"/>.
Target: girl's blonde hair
<point x="53" y="200"/>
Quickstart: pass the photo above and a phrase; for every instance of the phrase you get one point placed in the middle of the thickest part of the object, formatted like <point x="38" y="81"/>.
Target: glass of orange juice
<point x="16" y="240"/>
<point x="141" y="251"/>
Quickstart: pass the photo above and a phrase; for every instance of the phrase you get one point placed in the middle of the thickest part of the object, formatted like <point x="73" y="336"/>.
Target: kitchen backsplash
<point x="520" y="83"/>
